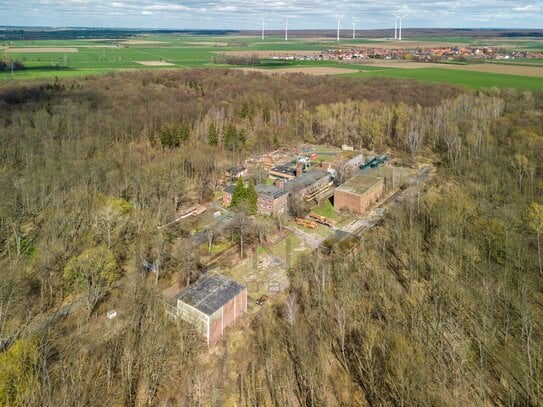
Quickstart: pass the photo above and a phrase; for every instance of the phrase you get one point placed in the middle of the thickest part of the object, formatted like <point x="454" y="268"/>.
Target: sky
<point x="247" y="14"/>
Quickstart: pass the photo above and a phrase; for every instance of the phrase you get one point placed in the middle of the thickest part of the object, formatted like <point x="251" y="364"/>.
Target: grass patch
<point x="220" y="247"/>
<point x="326" y="209"/>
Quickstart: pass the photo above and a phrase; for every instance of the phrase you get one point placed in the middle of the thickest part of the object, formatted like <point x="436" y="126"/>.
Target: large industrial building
<point x="309" y="184"/>
<point x="362" y="191"/>
<point x="211" y="304"/>
<point x="273" y="199"/>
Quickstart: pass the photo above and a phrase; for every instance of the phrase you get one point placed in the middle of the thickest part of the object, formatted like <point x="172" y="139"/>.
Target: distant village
<point x="440" y="54"/>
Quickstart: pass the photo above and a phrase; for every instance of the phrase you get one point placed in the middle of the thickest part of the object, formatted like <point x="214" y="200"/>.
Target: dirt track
<point x="154" y="63"/>
<point x="39" y="49"/>
<point x="309" y="70"/>
<point x="141" y="42"/>
<point x="267" y="54"/>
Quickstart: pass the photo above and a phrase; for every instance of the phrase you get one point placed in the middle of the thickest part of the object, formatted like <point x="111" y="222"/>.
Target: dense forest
<point x="441" y="305"/>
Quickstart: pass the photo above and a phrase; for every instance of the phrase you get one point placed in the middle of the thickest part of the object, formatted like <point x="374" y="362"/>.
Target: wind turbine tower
<point x="338" y="21"/>
<point x="286" y="29"/>
<point x="396" y="26"/>
<point x="354" y="27"/>
<point x="400" y="34"/>
<point x="263" y="25"/>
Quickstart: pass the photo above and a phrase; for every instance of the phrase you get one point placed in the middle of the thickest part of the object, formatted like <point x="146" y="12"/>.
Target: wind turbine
<point x="263" y="25"/>
<point x="338" y="21"/>
<point x="396" y="26"/>
<point x="401" y="18"/>
<point x="354" y="27"/>
<point x="286" y="28"/>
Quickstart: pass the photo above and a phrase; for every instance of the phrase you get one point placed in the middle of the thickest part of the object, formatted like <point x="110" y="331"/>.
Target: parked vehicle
<point x="262" y="300"/>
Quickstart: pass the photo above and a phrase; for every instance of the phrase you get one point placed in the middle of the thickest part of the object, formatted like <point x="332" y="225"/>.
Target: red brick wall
<point x="240" y="304"/>
<point x="358" y="203"/>
<point x="228" y="310"/>
<point x="276" y="206"/>
<point x="280" y="205"/>
<point x="231" y="312"/>
<point x="215" y="330"/>
<point x="226" y="199"/>
<point x="262" y="205"/>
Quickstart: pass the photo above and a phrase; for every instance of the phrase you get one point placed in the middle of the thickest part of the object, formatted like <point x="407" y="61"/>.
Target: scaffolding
<point x="318" y="191"/>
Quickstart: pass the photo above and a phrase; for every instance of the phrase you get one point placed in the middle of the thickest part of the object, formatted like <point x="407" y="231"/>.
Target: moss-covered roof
<point x="365" y="180"/>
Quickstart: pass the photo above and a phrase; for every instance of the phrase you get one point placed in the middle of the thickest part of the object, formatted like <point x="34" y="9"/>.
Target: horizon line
<point x="256" y="28"/>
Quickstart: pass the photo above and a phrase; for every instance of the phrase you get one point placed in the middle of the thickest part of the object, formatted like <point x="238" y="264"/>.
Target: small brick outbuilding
<point x="212" y="304"/>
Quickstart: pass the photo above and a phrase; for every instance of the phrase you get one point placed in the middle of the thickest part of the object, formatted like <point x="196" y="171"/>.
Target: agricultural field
<point x="66" y="58"/>
<point x="459" y="77"/>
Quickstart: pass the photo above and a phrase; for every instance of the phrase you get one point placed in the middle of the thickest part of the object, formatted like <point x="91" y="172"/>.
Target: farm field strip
<point x="470" y="79"/>
<point x="45" y="50"/>
<point x="511" y="69"/>
<point x="98" y="56"/>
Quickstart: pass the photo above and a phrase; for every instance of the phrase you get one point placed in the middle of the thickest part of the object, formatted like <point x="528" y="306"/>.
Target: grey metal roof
<point x="229" y="188"/>
<point x="270" y="191"/>
<point x="283" y="169"/>
<point x="305" y="180"/>
<point x="210" y="292"/>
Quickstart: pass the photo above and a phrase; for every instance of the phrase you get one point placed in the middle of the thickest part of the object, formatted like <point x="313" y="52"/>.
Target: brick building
<point x="271" y="199"/>
<point x="227" y="195"/>
<point x="362" y="191"/>
<point x="211" y="304"/>
<point x="309" y="184"/>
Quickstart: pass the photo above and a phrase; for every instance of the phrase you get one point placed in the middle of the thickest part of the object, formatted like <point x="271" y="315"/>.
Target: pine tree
<point x="184" y="133"/>
<point x="244" y="110"/>
<point x="212" y="137"/>
<point x="234" y="140"/>
<point x="239" y="194"/>
<point x="251" y="198"/>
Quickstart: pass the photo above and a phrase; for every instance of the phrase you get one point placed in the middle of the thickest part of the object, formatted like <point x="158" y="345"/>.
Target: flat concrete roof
<point x="210" y="292"/>
<point x="306" y="179"/>
<point x="270" y="191"/>
<point x="364" y="180"/>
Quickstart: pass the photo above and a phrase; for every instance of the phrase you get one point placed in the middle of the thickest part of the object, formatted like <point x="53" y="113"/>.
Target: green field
<point x="100" y="56"/>
<point x="466" y="78"/>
